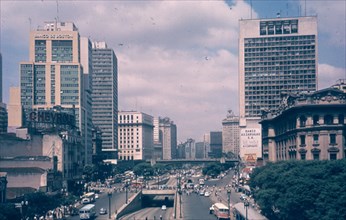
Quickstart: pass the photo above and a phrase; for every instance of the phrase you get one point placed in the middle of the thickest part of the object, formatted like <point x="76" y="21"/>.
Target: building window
<point x="302" y="141"/>
<point x="302" y="120"/>
<point x="341" y="119"/>
<point x="332" y="156"/>
<point x="302" y="156"/>
<point x="332" y="138"/>
<point x="328" y="120"/>
<point x="315" y="139"/>
<point x="316" y="119"/>
<point x="316" y="156"/>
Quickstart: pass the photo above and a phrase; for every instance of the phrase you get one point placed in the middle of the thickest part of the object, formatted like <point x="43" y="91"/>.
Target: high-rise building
<point x="105" y="94"/>
<point x="168" y="130"/>
<point x="53" y="76"/>
<point x="199" y="150"/>
<point x="276" y="55"/>
<point x="135" y="135"/>
<point x="3" y="112"/>
<point x="230" y="134"/>
<point x="15" y="116"/>
<point x="215" y="144"/>
<point x="190" y="149"/>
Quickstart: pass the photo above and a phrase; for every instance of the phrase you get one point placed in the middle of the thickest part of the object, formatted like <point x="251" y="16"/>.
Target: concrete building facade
<point x="230" y="134"/>
<point x="105" y="93"/>
<point x="306" y="126"/>
<point x="54" y="76"/>
<point x="135" y="131"/>
<point x="168" y="132"/>
<point x="275" y="55"/>
<point x="215" y="144"/>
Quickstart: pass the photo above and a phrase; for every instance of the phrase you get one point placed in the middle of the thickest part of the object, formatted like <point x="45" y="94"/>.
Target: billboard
<point x="250" y="144"/>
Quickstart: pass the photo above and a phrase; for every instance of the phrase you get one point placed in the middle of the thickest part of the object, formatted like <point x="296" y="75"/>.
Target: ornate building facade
<point x="308" y="126"/>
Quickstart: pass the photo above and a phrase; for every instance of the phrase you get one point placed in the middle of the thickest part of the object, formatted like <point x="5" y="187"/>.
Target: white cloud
<point x="328" y="75"/>
<point x="175" y="58"/>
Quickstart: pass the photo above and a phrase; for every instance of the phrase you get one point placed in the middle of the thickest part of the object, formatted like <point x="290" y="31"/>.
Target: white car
<point x="96" y="196"/>
<point x="164" y="208"/>
<point x="207" y="194"/>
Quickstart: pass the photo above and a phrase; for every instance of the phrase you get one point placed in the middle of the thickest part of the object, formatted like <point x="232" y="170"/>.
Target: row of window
<point x="315" y="138"/>
<point x="327" y="119"/>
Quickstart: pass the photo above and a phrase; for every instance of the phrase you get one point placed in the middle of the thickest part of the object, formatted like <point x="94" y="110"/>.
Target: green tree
<point x="143" y="169"/>
<point x="9" y="212"/>
<point x="301" y="189"/>
<point x="212" y="169"/>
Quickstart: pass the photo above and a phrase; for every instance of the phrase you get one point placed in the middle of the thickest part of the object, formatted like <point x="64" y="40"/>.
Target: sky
<point x="176" y="59"/>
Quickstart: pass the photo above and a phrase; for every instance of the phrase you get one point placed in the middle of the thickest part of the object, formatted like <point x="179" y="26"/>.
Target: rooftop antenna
<point x="251" y="9"/>
<point x="57" y="10"/>
<point x="29" y="24"/>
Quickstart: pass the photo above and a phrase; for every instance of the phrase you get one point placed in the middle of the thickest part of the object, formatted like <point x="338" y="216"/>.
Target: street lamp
<point x="246" y="205"/>
<point x="229" y="201"/>
<point x="179" y="191"/>
<point x="126" y="186"/>
<point x="23" y="203"/>
<point x="158" y="178"/>
<point x="109" y="204"/>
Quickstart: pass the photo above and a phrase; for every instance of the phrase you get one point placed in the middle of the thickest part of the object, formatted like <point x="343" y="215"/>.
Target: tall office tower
<point x="169" y="138"/>
<point x="54" y="76"/>
<point x="230" y="134"/>
<point x="105" y="94"/>
<point x="190" y="149"/>
<point x="1" y="86"/>
<point x="275" y="56"/>
<point x="215" y="144"/>
<point x="135" y="135"/>
<point x="206" y="141"/>
<point x="3" y="112"/>
<point x="15" y="116"/>
<point x="199" y="150"/>
<point x="157" y="151"/>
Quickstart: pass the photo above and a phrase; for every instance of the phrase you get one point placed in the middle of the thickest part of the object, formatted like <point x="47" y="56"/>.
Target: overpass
<point x="195" y="161"/>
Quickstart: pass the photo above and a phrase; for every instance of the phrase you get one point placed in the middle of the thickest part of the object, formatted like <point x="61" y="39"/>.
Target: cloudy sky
<point x="176" y="58"/>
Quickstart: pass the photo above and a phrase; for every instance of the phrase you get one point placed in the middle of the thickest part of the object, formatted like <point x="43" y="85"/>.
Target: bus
<point x="88" y="198"/>
<point x="87" y="212"/>
<point x="221" y="211"/>
<point x="240" y="212"/>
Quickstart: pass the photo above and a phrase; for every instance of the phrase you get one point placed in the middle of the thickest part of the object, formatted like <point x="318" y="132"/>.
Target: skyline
<point x="194" y="79"/>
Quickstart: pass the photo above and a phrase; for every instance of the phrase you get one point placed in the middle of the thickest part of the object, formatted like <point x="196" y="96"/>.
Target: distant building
<point x="230" y="134"/>
<point x="15" y="111"/>
<point x="105" y="93"/>
<point x="199" y="150"/>
<point x="190" y="149"/>
<point x="180" y="151"/>
<point x="3" y="186"/>
<point x="215" y="144"/>
<point x="206" y="142"/>
<point x="135" y="135"/>
<point x="1" y="78"/>
<point x="340" y="84"/>
<point x="306" y="126"/>
<point x="168" y="132"/>
<point x="3" y="118"/>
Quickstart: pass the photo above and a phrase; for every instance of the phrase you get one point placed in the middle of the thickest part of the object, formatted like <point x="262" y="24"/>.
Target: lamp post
<point x="126" y="186"/>
<point x="229" y="201"/>
<point x="25" y="204"/>
<point x="158" y="179"/>
<point x="246" y="205"/>
<point x="179" y="192"/>
<point x="109" y="204"/>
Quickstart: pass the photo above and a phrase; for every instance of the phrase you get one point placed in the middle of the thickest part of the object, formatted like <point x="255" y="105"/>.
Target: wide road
<point x="195" y="207"/>
<point x="152" y="213"/>
<point x="117" y="200"/>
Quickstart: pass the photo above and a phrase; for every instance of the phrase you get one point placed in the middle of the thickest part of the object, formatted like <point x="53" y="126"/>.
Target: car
<point x="211" y="209"/>
<point x="96" y="196"/>
<point x="243" y="197"/>
<point x="207" y="194"/>
<point x="103" y="211"/>
<point x="164" y="208"/>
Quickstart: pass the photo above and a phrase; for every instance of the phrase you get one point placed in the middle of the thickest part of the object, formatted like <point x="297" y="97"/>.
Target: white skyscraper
<point x="275" y="56"/>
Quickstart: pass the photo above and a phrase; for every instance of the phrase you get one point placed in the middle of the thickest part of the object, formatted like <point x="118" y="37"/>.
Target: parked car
<point x="103" y="211"/>
<point x="207" y="194"/>
<point x="164" y="208"/>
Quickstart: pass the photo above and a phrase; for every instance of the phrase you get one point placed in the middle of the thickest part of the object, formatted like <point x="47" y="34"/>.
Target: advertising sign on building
<point x="250" y="144"/>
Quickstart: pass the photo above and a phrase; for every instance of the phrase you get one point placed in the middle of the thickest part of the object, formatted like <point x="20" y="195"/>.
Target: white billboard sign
<point x="250" y="144"/>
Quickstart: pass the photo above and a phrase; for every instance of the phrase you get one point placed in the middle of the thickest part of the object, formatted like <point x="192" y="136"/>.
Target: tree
<point x="9" y="212"/>
<point x="212" y="169"/>
<point x="301" y="189"/>
<point x="143" y="169"/>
